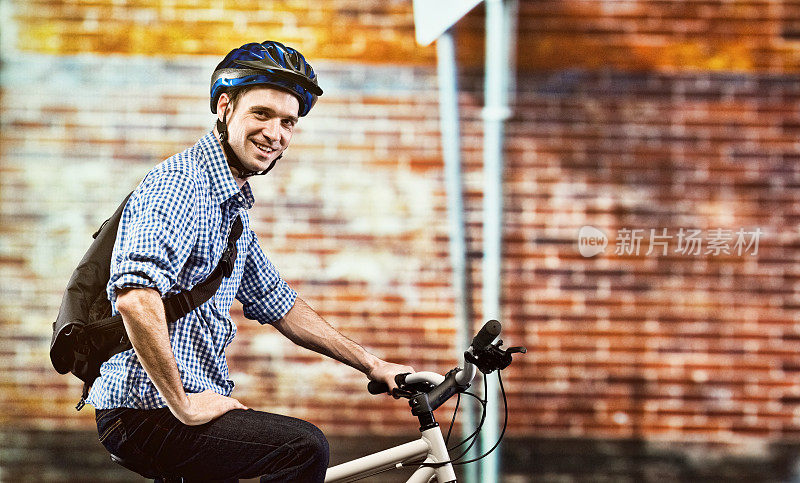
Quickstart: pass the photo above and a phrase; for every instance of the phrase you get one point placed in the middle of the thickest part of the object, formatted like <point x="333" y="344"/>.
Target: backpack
<point x="85" y="334"/>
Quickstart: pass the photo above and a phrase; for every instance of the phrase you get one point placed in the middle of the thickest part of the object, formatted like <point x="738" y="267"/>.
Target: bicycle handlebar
<point x="486" y="335"/>
<point x="377" y="387"/>
<point x="482" y="339"/>
<point x="380" y="387"/>
<point x="407" y="378"/>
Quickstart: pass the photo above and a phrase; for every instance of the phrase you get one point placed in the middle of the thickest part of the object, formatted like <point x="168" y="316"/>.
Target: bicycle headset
<point x="270" y="64"/>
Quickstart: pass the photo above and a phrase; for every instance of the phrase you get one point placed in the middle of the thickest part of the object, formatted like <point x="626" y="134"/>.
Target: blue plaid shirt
<point x="172" y="234"/>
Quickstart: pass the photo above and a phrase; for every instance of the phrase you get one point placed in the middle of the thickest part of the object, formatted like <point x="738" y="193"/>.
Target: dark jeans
<point x="238" y="444"/>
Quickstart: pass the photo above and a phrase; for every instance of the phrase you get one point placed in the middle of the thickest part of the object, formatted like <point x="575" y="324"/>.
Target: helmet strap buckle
<point x="223" y="131"/>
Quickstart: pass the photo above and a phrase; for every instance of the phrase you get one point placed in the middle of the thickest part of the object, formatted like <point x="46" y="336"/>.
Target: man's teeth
<point x="263" y="148"/>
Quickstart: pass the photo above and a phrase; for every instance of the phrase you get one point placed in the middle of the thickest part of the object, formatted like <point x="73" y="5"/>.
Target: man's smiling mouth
<point x="263" y="148"/>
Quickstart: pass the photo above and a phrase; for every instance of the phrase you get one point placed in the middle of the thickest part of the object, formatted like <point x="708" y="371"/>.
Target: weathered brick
<point x="635" y="115"/>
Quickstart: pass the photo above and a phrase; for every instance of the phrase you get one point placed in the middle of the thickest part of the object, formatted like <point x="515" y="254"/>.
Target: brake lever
<point x="398" y="393"/>
<point x="410" y="390"/>
<point x="493" y="358"/>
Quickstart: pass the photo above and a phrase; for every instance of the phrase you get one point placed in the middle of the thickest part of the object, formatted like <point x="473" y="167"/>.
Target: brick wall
<point x="628" y="115"/>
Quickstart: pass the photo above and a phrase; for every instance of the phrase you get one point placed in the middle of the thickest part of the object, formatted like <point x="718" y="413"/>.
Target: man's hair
<point x="235" y="93"/>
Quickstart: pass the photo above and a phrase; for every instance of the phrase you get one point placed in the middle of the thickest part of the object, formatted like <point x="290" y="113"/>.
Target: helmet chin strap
<point x="234" y="160"/>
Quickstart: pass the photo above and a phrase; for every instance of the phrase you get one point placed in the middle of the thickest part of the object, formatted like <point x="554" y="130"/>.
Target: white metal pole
<point x="447" y="69"/>
<point x="495" y="112"/>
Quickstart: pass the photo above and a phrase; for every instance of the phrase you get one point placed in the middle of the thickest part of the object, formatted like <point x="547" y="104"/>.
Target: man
<point x="165" y="406"/>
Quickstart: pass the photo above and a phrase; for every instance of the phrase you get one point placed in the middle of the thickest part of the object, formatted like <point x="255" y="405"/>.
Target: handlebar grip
<point x="375" y="387"/>
<point x="486" y="335"/>
<point x="378" y="387"/>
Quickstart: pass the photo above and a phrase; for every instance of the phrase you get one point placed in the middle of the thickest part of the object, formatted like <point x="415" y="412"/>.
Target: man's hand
<point x="385" y="371"/>
<point x="205" y="406"/>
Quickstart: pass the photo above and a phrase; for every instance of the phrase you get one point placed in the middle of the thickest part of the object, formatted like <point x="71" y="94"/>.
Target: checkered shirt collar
<point x="223" y="184"/>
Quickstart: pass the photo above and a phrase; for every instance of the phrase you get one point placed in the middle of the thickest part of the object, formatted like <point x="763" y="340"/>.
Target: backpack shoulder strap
<point x="181" y="303"/>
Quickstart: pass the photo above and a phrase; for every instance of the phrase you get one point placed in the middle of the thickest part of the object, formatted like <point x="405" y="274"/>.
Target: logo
<point x="591" y="241"/>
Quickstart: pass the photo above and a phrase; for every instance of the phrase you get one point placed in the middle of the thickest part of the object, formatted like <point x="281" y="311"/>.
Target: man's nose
<point x="272" y="130"/>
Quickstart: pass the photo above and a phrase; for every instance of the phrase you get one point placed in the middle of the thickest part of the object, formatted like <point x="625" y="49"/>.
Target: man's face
<point x="260" y="125"/>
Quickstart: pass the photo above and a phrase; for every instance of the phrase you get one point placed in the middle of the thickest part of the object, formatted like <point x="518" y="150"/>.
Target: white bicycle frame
<point x="430" y="446"/>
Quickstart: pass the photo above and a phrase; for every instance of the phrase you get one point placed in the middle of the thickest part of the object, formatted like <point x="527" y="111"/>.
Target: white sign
<point x="432" y="18"/>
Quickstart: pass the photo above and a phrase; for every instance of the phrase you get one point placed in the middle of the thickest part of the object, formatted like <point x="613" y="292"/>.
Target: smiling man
<point x="261" y="132"/>
<point x="165" y="406"/>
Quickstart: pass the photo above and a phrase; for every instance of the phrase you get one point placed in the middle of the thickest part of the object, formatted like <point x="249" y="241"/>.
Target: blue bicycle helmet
<point x="268" y="63"/>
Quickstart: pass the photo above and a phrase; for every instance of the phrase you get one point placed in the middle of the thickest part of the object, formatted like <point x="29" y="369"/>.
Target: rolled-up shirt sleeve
<point x="157" y="233"/>
<point x="264" y="295"/>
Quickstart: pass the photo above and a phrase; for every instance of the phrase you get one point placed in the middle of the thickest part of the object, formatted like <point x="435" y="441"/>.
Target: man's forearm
<point x="303" y="326"/>
<point x="143" y="315"/>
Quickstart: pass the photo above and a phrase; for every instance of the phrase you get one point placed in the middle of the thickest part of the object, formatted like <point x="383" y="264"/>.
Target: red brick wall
<point x="638" y="115"/>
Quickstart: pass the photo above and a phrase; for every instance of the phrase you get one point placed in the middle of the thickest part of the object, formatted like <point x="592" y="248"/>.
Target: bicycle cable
<point x="505" y="425"/>
<point x="474" y="436"/>
<point x="453" y="420"/>
<point x="474" y="433"/>
<point x="455" y="461"/>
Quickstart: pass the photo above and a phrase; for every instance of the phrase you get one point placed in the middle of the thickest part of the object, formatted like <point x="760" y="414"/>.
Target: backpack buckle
<point x="228" y="260"/>
<point x="184" y="301"/>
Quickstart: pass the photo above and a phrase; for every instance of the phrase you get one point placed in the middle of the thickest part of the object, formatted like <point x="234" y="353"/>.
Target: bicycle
<point x="427" y="391"/>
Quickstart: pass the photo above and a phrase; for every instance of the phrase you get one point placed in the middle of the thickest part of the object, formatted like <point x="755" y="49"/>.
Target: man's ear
<point x="222" y="105"/>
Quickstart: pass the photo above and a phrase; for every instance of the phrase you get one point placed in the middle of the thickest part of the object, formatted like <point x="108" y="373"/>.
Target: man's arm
<point x="308" y="329"/>
<point x="143" y="315"/>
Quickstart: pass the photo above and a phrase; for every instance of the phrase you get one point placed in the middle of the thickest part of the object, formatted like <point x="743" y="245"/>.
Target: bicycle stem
<point x="455" y="381"/>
